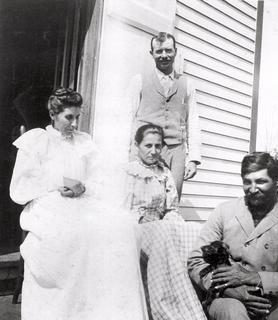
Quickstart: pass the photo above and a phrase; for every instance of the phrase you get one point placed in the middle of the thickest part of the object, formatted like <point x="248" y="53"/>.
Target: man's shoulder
<point x="231" y="206"/>
<point x="182" y="78"/>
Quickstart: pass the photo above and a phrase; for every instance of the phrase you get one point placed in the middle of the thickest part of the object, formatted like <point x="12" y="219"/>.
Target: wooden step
<point x="9" y="260"/>
<point x="9" y="265"/>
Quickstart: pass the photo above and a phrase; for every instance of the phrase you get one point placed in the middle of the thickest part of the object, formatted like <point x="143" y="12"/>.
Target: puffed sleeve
<point x="172" y="200"/>
<point x="88" y="150"/>
<point x="28" y="179"/>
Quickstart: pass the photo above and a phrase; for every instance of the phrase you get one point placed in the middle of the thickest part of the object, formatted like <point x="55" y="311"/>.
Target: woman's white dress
<point x="81" y="257"/>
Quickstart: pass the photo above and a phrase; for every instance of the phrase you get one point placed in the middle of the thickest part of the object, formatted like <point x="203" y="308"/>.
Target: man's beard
<point x="263" y="202"/>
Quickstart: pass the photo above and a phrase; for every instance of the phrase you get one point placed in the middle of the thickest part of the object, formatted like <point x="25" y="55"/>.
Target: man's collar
<point x="162" y="75"/>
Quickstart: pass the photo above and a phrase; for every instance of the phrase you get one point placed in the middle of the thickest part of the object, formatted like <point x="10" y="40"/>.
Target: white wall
<point x="127" y="29"/>
<point x="217" y="41"/>
<point x="267" y="133"/>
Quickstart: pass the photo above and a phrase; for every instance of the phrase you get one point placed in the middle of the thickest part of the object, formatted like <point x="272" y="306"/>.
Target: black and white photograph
<point x="138" y="160"/>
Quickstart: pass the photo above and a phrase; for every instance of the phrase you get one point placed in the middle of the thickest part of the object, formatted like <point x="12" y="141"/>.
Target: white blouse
<point x="45" y="157"/>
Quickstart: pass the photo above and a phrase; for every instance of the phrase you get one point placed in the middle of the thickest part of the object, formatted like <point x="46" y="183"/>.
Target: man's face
<point x="164" y="55"/>
<point x="259" y="188"/>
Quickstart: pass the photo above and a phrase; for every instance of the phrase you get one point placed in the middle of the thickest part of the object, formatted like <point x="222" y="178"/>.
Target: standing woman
<point x="80" y="255"/>
<point x="166" y="239"/>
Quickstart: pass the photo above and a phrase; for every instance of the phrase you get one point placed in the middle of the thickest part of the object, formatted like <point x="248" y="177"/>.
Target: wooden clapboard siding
<point x="221" y="153"/>
<point x="218" y="78"/>
<point x="209" y="189"/>
<point x="210" y="112"/>
<point x="223" y="128"/>
<point x="216" y="39"/>
<point x="198" y="13"/>
<point x="199" y="59"/>
<point x="186" y="40"/>
<point x="222" y="104"/>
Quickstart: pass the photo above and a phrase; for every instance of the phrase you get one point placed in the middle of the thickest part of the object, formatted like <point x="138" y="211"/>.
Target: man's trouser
<point x="232" y="309"/>
<point x="174" y="156"/>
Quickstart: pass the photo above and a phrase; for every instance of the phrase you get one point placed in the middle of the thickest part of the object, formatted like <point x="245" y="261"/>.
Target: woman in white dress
<point x="80" y="254"/>
<point x="166" y="239"/>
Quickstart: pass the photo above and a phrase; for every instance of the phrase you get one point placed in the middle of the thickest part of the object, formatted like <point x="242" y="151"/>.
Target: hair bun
<point x="64" y="97"/>
<point x="61" y="91"/>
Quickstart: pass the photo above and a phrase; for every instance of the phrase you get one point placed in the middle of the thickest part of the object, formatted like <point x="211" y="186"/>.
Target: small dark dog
<point x="216" y="254"/>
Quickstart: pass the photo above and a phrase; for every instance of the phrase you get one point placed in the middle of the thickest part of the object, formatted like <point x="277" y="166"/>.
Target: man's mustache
<point x="255" y="196"/>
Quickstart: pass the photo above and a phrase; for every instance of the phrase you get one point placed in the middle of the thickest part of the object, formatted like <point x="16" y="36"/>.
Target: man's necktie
<point x="165" y="82"/>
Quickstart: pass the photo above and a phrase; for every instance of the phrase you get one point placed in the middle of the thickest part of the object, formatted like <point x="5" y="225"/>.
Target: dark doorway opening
<point x="32" y="36"/>
<point x="41" y="44"/>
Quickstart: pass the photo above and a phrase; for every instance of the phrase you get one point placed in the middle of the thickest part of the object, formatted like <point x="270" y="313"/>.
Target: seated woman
<point x="165" y="240"/>
<point x="80" y="255"/>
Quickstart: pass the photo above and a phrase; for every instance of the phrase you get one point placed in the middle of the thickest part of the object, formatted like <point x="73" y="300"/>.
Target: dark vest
<point x="169" y="112"/>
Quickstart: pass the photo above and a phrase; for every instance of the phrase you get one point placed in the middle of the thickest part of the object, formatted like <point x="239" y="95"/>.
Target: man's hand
<point x="255" y="305"/>
<point x="234" y="276"/>
<point x="190" y="170"/>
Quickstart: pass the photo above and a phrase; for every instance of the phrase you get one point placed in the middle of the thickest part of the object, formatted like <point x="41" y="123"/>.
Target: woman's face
<point x="66" y="121"/>
<point x="150" y="148"/>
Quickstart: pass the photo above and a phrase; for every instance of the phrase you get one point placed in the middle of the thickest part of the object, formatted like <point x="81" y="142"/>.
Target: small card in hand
<point x="74" y="185"/>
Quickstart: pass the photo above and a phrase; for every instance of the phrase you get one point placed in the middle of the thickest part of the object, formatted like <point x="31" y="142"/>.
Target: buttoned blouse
<point x="151" y="191"/>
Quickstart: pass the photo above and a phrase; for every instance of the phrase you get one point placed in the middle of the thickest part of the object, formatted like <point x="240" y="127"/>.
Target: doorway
<point x="40" y="48"/>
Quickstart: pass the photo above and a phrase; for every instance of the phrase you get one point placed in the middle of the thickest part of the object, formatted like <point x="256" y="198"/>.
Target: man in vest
<point x="168" y="99"/>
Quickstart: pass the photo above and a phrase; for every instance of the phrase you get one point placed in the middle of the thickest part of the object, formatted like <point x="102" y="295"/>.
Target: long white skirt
<point x="81" y="262"/>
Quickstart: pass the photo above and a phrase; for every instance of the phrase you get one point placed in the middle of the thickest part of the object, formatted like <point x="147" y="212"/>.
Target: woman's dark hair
<point x="148" y="128"/>
<point x="62" y="98"/>
<point x="258" y="161"/>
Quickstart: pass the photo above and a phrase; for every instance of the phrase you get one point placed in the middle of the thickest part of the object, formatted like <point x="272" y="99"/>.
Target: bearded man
<point x="249" y="226"/>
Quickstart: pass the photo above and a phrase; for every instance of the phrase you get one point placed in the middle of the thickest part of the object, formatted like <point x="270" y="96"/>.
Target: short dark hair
<point x="256" y="161"/>
<point x="62" y="98"/>
<point x="148" y="128"/>
<point x="161" y="37"/>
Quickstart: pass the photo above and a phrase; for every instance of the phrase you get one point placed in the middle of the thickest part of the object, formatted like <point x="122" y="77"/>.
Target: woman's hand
<point x="234" y="276"/>
<point x="72" y="192"/>
<point x="66" y="192"/>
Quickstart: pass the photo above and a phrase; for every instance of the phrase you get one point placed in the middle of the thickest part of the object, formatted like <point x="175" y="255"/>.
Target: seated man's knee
<point x="227" y="309"/>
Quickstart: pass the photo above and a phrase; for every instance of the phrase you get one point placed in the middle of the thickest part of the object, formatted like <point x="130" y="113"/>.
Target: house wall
<point x="216" y="49"/>
<point x="216" y="40"/>
<point x="267" y="129"/>
<point x="126" y="33"/>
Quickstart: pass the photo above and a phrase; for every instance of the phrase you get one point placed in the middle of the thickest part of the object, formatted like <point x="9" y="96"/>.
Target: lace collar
<point x="56" y="133"/>
<point x="138" y="169"/>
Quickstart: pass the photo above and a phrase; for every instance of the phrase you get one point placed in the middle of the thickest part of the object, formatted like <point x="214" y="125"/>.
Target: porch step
<point x="9" y="265"/>
<point x="8" y="272"/>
